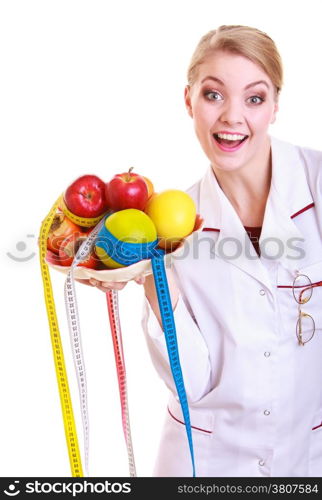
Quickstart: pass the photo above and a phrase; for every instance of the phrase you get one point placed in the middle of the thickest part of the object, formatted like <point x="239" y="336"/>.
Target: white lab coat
<point x="255" y="395"/>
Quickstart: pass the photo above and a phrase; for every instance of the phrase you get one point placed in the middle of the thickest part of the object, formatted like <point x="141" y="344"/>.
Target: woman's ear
<point x="275" y="110"/>
<point x="187" y="99"/>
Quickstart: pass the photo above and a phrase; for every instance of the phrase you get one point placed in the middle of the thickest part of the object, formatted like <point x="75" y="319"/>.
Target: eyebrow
<point x="215" y="79"/>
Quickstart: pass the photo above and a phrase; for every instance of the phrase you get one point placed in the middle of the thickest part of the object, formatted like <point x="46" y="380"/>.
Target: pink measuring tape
<point x="113" y="313"/>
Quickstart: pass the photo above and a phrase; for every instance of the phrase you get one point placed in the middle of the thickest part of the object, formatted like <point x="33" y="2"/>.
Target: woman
<point x="246" y="296"/>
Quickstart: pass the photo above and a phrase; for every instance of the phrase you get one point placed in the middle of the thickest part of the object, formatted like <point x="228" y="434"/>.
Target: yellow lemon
<point x="173" y="213"/>
<point x="131" y="226"/>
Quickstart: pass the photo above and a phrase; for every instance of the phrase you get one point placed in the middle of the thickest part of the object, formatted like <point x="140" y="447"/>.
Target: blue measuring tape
<point x="169" y="327"/>
<point x="127" y="253"/>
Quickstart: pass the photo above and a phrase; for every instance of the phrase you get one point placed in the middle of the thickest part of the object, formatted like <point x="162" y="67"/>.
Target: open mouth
<point x="230" y="141"/>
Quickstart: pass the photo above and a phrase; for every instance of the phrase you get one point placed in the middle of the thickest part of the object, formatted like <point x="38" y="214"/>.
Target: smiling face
<point x="232" y="103"/>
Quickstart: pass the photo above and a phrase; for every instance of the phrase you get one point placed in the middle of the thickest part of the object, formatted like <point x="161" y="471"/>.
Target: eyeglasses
<point x="302" y="292"/>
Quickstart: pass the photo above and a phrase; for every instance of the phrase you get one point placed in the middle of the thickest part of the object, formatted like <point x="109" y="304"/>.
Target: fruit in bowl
<point x="150" y="186"/>
<point x="69" y="248"/>
<point x="174" y="215"/>
<point x="52" y="258"/>
<point x="60" y="228"/>
<point x="85" y="197"/>
<point x="129" y="226"/>
<point x="127" y="190"/>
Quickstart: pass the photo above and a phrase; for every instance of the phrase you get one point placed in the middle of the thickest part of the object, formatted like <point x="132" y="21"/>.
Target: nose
<point x="232" y="112"/>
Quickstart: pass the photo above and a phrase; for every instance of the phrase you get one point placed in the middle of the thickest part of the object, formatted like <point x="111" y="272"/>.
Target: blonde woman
<point x="247" y="298"/>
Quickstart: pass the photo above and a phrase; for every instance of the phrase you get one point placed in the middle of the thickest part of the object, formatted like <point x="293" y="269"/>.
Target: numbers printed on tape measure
<point x="165" y="305"/>
<point x="72" y="319"/>
<point x="113" y="312"/>
<point x="75" y="335"/>
<point x="81" y="221"/>
<point x="61" y="374"/>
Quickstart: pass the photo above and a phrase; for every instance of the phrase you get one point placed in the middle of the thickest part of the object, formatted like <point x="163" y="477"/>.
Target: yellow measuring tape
<point x="81" y="221"/>
<point x="62" y="380"/>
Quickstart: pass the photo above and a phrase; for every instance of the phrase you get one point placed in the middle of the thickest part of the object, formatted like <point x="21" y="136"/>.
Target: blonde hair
<point x="251" y="43"/>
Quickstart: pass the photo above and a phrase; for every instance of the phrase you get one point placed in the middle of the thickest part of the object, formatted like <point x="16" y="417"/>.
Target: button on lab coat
<point x="255" y="394"/>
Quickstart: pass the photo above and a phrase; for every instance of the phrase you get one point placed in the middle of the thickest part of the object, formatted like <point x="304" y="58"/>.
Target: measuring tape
<point x="128" y="253"/>
<point x="61" y="374"/>
<point x="169" y="328"/>
<point x="113" y="312"/>
<point x="81" y="221"/>
<point x="75" y="337"/>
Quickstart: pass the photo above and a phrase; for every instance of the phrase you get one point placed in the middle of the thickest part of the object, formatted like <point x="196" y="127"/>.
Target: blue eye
<point x="255" y="99"/>
<point x="213" y="96"/>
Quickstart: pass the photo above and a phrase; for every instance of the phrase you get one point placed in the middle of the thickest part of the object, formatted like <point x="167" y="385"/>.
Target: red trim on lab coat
<point x="192" y="427"/>
<point x="292" y="217"/>
<point x="302" y="210"/>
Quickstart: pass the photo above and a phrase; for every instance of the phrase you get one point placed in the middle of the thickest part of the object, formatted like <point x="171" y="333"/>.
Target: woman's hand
<point x="149" y="289"/>
<point x="104" y="286"/>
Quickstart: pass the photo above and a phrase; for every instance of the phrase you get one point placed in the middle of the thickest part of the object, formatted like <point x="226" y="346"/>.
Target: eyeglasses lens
<point x="302" y="289"/>
<point x="305" y="328"/>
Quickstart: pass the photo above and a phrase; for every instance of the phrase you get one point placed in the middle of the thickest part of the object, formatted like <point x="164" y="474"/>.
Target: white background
<point x="96" y="87"/>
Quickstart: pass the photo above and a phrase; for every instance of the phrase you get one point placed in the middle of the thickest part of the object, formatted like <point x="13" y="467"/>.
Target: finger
<point x="110" y="285"/>
<point x="84" y="282"/>
<point x="115" y="285"/>
<point x="139" y="280"/>
<point x="105" y="287"/>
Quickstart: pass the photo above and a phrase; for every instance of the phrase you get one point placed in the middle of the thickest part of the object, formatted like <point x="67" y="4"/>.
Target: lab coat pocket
<point x="195" y="429"/>
<point x="174" y="456"/>
<point x="315" y="451"/>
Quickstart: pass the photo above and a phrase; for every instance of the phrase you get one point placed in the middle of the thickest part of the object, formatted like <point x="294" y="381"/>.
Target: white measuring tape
<point x="75" y="337"/>
<point x="75" y="334"/>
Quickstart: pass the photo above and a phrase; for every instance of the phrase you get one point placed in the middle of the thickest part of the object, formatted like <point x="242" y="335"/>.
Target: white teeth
<point x="231" y="137"/>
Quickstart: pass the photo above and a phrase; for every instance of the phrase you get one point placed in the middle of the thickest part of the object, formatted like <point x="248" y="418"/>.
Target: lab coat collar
<point x="289" y="193"/>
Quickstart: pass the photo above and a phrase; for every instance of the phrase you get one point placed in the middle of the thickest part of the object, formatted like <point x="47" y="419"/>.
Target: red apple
<point x="127" y="190"/>
<point x="60" y="228"/>
<point x="69" y="248"/>
<point x="85" y="197"/>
